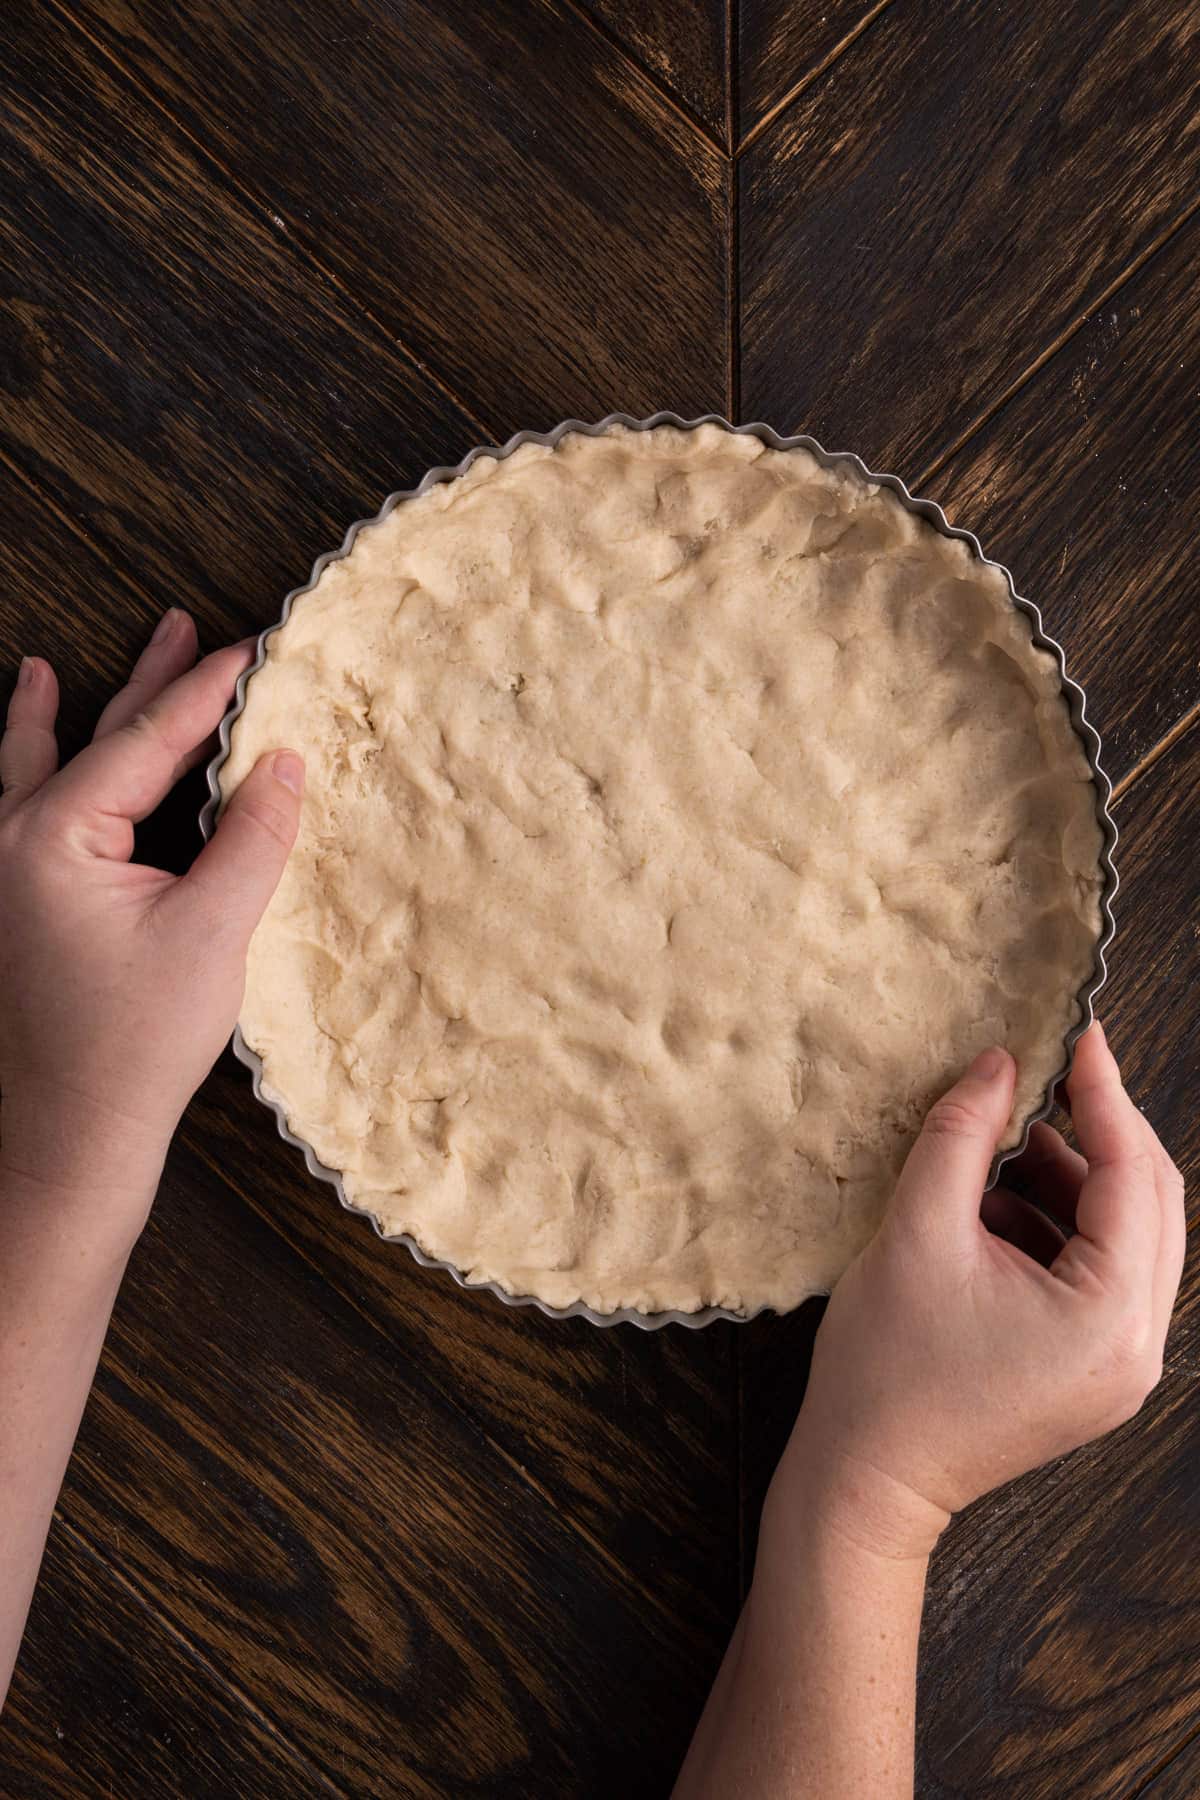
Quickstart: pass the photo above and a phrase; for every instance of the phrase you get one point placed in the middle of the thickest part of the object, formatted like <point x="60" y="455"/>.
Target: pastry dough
<point x="681" y="817"/>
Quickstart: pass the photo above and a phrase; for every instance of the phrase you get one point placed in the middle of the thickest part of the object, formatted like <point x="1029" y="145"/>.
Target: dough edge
<point x="661" y="1284"/>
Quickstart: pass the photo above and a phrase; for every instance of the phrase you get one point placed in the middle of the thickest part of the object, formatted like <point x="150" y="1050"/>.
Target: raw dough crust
<point x="681" y="818"/>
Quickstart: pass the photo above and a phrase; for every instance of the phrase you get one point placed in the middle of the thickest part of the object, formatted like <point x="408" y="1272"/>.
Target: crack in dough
<point x="681" y="818"/>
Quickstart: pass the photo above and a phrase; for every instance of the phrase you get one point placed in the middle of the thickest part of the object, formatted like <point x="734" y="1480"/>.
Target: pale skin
<point x="971" y="1341"/>
<point x="121" y="985"/>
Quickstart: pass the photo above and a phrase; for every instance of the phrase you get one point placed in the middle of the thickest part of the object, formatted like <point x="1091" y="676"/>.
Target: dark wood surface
<point x="683" y="42"/>
<point x="334" y="1526"/>
<point x="785" y="44"/>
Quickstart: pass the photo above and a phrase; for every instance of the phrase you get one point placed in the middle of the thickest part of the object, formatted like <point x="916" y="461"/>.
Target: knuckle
<point x="1133" y="1362"/>
<point x="31" y="866"/>
<point x="141" y="723"/>
<point x="267" y="817"/>
<point x="14" y="792"/>
<point x="1129" y="1340"/>
<point x="36" y="823"/>
<point x="1140" y="1162"/>
<point x="1119" y="1414"/>
<point x="144" y="728"/>
<point x="1132" y="1395"/>
<point x="952" y="1118"/>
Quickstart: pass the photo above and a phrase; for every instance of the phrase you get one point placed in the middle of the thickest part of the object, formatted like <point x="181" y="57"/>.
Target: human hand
<point x="968" y="1344"/>
<point x="122" y="982"/>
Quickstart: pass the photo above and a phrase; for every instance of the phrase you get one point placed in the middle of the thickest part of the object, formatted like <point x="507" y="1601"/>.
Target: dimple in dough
<point x="681" y="817"/>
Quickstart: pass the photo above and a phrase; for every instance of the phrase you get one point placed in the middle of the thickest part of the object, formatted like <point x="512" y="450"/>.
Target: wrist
<point x="93" y="1169"/>
<point x="832" y="1552"/>
<point x="834" y="1492"/>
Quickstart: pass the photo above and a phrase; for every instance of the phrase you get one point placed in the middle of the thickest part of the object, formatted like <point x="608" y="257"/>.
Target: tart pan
<point x="925" y="509"/>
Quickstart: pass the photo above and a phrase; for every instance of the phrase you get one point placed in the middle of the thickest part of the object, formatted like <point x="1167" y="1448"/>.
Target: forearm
<point x="64" y="1243"/>
<point x="816" y="1695"/>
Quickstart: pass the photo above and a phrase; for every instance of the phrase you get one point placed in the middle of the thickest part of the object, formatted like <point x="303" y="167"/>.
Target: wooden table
<point x="334" y="1527"/>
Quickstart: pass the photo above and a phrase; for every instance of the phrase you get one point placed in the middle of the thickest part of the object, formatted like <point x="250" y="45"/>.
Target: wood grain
<point x="1075" y="1589"/>
<point x="960" y="187"/>
<point x="1179" y="1778"/>
<point x="630" y="1436"/>
<point x="392" y="1595"/>
<point x="1087" y="485"/>
<point x="149" y="223"/>
<point x="1076" y="1592"/>
<point x="203" y="412"/>
<point x="1154" y="966"/>
<point x="107" y="1700"/>
<point x="1155" y="962"/>
<point x="682" y="42"/>
<point x="62" y="597"/>
<point x="335" y="1526"/>
<point x="782" y="42"/>
<point x="538" y="226"/>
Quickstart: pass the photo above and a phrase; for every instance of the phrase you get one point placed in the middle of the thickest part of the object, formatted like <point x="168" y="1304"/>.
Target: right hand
<point x="973" y="1341"/>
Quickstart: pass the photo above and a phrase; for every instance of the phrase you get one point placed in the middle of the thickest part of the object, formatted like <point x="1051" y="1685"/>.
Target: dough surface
<point x="680" y="820"/>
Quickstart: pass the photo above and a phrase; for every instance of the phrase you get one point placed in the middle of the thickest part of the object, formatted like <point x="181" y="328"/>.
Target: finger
<point x="170" y="651"/>
<point x="1109" y="1127"/>
<point x="238" y="870"/>
<point x="1008" y="1216"/>
<point x="206" y="749"/>
<point x="1051" y="1171"/>
<point x="29" y="748"/>
<point x="1172" y="1242"/>
<point x="1118" y="1210"/>
<point x="128" y="772"/>
<point x="948" y="1165"/>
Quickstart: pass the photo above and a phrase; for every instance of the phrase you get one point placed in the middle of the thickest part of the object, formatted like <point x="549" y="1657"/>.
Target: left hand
<point x="974" y="1338"/>
<point x="122" y="983"/>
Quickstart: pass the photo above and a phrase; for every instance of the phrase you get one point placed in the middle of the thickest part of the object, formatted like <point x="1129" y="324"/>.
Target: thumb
<point x="948" y="1165"/>
<point x="238" y="870"/>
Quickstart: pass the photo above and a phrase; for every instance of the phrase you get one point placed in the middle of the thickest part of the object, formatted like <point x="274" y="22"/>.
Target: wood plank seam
<point x="260" y="208"/>
<point x="742" y="1366"/>
<point x="739" y="1414"/>
<point x="267" y="1724"/>
<point x="814" y="74"/>
<point x="732" y="347"/>
<point x="1165" y="744"/>
<point x="1164" y="747"/>
<point x="197" y="1144"/>
<point x="733" y="53"/>
<point x="1075" y="325"/>
<point x="85" y="1544"/>
<point x="675" y="102"/>
<point x="733" y="304"/>
<point x="733" y="396"/>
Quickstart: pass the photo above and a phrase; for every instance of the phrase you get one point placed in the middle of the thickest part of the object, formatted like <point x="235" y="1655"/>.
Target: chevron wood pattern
<point x="334" y="1527"/>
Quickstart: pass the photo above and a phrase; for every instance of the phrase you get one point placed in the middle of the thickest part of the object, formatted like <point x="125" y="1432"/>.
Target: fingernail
<point x="288" y="768"/>
<point x="166" y="625"/>
<point x="988" y="1064"/>
<point x="25" y="672"/>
